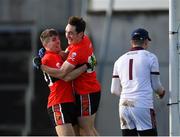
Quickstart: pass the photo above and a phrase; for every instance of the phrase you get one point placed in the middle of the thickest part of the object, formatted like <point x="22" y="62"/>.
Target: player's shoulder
<point x="86" y="39"/>
<point x="122" y="56"/>
<point x="120" y="59"/>
<point x="148" y="54"/>
<point x="49" y="57"/>
<point x="69" y="48"/>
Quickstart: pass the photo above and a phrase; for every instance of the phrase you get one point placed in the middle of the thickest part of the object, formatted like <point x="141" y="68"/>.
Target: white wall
<point x="129" y="5"/>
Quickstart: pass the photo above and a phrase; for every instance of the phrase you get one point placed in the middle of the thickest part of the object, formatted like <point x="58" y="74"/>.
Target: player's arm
<point x="64" y="55"/>
<point x="116" y="83"/>
<point x="58" y="73"/>
<point x="75" y="73"/>
<point x="156" y="85"/>
<point x="115" y="86"/>
<point x="54" y="72"/>
<point x="90" y="65"/>
<point x="155" y="78"/>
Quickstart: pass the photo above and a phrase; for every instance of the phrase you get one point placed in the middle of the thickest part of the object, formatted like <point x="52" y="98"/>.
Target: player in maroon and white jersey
<point x="135" y="77"/>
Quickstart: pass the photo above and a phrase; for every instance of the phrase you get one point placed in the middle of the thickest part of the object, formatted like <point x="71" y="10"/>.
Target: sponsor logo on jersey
<point x="58" y="65"/>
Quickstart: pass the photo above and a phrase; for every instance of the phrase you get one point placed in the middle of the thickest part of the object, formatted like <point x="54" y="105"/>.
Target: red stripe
<point x="57" y="115"/>
<point x="85" y="105"/>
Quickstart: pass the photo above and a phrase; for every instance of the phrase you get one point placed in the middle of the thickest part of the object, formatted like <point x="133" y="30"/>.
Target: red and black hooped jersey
<point x="60" y="91"/>
<point x="79" y="54"/>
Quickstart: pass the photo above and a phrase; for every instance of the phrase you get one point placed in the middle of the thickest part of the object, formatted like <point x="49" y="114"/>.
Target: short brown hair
<point x="78" y="22"/>
<point x="46" y="34"/>
<point x="138" y="42"/>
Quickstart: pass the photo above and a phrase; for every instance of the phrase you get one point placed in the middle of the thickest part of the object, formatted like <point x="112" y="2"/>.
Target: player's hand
<point x="160" y="96"/>
<point x="91" y="63"/>
<point x="41" y="52"/>
<point x="37" y="62"/>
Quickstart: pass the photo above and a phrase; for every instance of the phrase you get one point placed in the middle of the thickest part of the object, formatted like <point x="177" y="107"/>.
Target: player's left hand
<point x="91" y="63"/>
<point x="37" y="62"/>
<point x="160" y="96"/>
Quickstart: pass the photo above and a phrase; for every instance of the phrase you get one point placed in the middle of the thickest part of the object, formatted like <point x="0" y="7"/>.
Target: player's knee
<point x="86" y="122"/>
<point x="86" y="125"/>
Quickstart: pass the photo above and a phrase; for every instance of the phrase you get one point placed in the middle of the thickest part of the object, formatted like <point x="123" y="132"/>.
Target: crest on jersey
<point x="73" y="55"/>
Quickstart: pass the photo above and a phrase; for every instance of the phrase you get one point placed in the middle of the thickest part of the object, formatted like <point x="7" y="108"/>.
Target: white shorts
<point x="139" y="118"/>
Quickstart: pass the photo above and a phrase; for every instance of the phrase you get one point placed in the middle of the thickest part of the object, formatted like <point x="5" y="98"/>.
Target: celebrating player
<point x="135" y="76"/>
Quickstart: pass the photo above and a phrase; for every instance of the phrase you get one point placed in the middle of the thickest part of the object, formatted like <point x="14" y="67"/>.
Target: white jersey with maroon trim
<point x="132" y="73"/>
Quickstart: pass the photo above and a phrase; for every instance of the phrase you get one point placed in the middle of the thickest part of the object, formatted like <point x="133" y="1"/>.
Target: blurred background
<point x="23" y="91"/>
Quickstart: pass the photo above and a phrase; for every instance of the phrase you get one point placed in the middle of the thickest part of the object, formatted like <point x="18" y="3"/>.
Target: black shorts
<point x="87" y="104"/>
<point x="63" y="113"/>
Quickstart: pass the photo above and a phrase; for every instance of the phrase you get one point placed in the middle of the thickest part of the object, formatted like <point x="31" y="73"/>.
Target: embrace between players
<point x="74" y="89"/>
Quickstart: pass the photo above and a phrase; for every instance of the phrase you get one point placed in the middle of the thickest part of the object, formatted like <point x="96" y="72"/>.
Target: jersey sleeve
<point x="116" y="83"/>
<point x="154" y="65"/>
<point x="45" y="60"/>
<point x="155" y="75"/>
<point x="68" y="49"/>
<point x="73" y="58"/>
<point x="156" y="83"/>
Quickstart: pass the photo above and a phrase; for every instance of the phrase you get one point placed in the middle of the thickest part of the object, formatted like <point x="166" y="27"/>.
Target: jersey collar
<point x="52" y="52"/>
<point x="136" y="48"/>
<point x="82" y="42"/>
